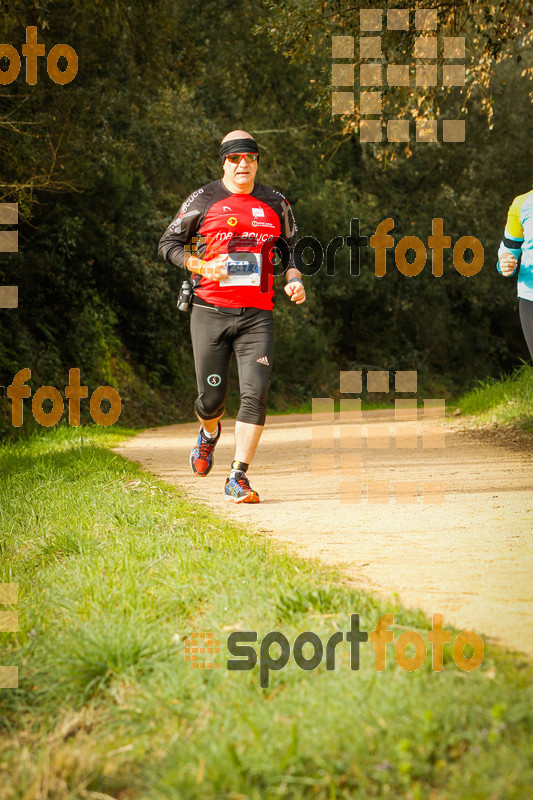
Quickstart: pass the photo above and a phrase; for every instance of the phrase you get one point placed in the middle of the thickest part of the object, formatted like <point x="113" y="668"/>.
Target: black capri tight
<point x="525" y="308"/>
<point x="215" y="336"/>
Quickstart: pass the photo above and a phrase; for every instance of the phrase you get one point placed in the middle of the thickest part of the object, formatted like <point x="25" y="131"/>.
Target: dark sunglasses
<point x="236" y="158"/>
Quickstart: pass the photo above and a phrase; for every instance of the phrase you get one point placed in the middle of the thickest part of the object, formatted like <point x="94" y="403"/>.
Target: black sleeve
<point x="289" y="232"/>
<point x="182" y="229"/>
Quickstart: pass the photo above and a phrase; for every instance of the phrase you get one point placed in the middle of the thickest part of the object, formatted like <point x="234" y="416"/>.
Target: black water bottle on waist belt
<point x="185" y="296"/>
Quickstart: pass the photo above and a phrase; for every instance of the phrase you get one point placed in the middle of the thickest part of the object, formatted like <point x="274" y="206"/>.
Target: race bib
<point x="244" y="269"/>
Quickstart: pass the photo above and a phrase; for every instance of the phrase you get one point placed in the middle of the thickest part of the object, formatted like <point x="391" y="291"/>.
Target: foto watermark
<point x="31" y="51"/>
<point x="437" y="242"/>
<point x="74" y="392"/>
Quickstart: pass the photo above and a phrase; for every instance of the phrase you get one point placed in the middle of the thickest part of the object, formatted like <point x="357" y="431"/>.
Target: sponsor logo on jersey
<point x="263" y="360"/>
<point x="256" y="224"/>
<point x="226" y="209"/>
<point x="260" y="237"/>
<point x="232" y="221"/>
<point x="258" y="212"/>
<point x="223" y="236"/>
<point x="189" y="200"/>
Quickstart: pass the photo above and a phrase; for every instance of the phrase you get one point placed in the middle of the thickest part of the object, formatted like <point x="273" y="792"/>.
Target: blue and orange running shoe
<point x="238" y="490"/>
<point x="202" y="453"/>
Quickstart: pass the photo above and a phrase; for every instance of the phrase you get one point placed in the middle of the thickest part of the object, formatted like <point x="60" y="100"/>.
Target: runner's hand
<point x="296" y="291"/>
<point x="216" y="269"/>
<point x="508" y="264"/>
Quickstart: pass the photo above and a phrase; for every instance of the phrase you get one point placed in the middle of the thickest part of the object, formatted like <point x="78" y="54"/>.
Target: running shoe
<point x="238" y="490"/>
<point x="202" y="453"/>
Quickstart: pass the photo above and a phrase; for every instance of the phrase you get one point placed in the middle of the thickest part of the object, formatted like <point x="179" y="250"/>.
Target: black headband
<point x="237" y="146"/>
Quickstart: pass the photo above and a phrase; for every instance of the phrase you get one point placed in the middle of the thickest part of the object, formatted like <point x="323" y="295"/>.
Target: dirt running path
<point x="469" y="558"/>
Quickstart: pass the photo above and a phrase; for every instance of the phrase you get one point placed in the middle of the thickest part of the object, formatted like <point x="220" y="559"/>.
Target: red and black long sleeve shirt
<point x="228" y="222"/>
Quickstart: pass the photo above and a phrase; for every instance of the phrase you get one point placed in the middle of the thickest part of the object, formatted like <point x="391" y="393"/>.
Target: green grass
<point x="115" y="569"/>
<point x="504" y="402"/>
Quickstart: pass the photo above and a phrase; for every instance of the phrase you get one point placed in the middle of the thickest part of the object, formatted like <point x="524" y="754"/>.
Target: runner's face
<point x="242" y="175"/>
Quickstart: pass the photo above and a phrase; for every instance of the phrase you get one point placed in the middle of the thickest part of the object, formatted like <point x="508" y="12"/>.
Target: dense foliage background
<point x="100" y="166"/>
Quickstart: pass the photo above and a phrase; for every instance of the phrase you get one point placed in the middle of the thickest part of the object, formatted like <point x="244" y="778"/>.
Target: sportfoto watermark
<point x="380" y="242"/>
<point x="18" y="390"/>
<point x="31" y="51"/>
<point x="238" y="644"/>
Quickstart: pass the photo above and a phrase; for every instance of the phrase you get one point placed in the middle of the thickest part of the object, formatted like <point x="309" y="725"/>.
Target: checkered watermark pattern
<point x="373" y="76"/>
<point x="199" y="645"/>
<point x="9" y="243"/>
<point x="191" y="249"/>
<point x="404" y="433"/>
<point x="9" y="676"/>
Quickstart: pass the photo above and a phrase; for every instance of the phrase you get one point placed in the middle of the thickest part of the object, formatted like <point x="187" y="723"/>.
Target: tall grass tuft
<point x="504" y="401"/>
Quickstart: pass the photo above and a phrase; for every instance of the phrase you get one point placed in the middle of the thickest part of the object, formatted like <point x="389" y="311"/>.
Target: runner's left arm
<point x="289" y="233"/>
<point x="294" y="287"/>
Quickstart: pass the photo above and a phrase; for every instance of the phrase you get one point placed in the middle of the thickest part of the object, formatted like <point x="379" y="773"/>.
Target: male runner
<point x="239" y="221"/>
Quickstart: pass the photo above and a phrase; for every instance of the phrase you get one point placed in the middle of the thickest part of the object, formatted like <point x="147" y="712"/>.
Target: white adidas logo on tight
<point x="263" y="360"/>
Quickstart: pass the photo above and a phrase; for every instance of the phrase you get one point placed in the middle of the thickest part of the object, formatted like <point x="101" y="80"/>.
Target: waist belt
<point x="232" y="312"/>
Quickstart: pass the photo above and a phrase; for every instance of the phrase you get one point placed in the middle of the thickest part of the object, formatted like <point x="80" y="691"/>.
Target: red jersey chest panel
<point x="240" y="223"/>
